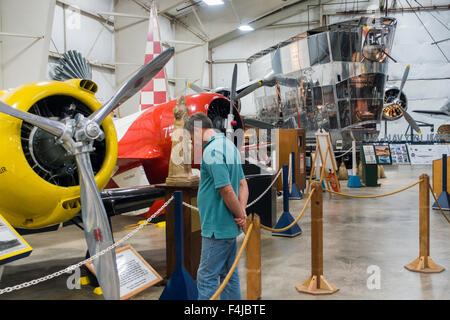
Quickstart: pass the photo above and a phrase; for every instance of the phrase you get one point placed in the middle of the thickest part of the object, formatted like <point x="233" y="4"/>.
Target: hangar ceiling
<point x="218" y="24"/>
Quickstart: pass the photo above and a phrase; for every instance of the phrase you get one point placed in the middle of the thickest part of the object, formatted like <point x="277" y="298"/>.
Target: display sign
<point x="399" y="153"/>
<point x="12" y="245"/>
<point x="131" y="178"/>
<point x="426" y="153"/>
<point x="369" y="154"/>
<point x="135" y="274"/>
<point x="383" y="154"/>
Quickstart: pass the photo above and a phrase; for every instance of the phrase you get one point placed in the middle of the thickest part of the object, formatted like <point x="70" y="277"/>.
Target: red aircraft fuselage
<point x="148" y="140"/>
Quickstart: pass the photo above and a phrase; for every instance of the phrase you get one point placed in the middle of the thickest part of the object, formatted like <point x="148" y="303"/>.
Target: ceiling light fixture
<point x="213" y="2"/>
<point x="245" y="27"/>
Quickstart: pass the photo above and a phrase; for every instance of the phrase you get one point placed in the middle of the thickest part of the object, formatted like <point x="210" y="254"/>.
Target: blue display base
<point x="295" y="194"/>
<point x="444" y="201"/>
<point x="181" y="286"/>
<point x="285" y="220"/>
<point x="354" y="182"/>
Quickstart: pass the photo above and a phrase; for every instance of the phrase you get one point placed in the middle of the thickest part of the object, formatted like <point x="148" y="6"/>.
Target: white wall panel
<point x="24" y="60"/>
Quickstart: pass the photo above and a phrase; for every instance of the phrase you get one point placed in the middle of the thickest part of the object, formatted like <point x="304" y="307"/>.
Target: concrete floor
<point x="358" y="233"/>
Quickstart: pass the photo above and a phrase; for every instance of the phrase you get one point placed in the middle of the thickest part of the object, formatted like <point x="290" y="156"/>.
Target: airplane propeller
<point x="230" y="118"/>
<point x="397" y="100"/>
<point x="195" y="87"/>
<point x="77" y="135"/>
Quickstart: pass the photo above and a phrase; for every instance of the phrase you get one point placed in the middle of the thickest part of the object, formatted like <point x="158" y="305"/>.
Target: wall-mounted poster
<point x="383" y="154"/>
<point x="399" y="153"/>
<point x="369" y="154"/>
<point x="426" y="153"/>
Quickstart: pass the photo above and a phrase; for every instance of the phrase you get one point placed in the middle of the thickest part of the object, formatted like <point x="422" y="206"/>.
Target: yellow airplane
<point x="58" y="148"/>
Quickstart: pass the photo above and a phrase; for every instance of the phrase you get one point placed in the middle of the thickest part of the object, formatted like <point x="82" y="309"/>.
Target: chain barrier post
<point x="444" y="197"/>
<point x="424" y="263"/>
<point x="316" y="283"/>
<point x="286" y="218"/>
<point x="181" y="285"/>
<point x="253" y="259"/>
<point x="295" y="193"/>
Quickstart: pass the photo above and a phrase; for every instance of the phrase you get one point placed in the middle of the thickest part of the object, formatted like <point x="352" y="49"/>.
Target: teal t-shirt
<point x="221" y="166"/>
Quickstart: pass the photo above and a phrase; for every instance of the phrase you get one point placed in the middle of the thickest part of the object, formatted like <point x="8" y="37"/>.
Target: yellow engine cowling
<point x="27" y="200"/>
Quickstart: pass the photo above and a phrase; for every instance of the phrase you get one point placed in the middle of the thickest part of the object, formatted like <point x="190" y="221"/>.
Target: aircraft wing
<point x="432" y="112"/>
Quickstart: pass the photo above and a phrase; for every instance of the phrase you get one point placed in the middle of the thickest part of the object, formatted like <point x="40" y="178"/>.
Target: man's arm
<point x="234" y="205"/>
<point x="243" y="193"/>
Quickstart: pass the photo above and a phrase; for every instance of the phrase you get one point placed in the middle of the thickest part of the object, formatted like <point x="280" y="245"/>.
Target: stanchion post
<point x="253" y="261"/>
<point x="424" y="263"/>
<point x="295" y="193"/>
<point x="181" y="285"/>
<point x="286" y="217"/>
<point x="316" y="283"/>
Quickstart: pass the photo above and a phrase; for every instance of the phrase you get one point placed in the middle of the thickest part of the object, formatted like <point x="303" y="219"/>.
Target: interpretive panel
<point x="135" y="274"/>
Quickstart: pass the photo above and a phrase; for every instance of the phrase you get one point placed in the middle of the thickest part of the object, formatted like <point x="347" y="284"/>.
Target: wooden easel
<point x="323" y="159"/>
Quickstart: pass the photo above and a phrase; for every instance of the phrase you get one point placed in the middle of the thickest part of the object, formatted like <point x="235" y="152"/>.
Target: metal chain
<point x="79" y="264"/>
<point x="251" y="203"/>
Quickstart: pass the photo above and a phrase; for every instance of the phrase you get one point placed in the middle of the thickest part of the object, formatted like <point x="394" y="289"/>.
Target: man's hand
<point x="242" y="222"/>
<point x="233" y="204"/>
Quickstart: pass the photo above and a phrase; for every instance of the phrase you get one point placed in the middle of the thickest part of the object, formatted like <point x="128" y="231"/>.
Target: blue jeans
<point x="216" y="260"/>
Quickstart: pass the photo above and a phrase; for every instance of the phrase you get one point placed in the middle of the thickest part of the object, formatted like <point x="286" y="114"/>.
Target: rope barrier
<point x="374" y="196"/>
<point x="437" y="202"/>
<point x="238" y="257"/>
<point x="295" y="221"/>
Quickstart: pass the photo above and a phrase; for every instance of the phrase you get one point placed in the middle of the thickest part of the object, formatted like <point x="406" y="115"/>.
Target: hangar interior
<point x="273" y="42"/>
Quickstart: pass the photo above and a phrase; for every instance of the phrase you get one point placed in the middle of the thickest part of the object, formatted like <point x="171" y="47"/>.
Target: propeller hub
<point x="93" y="131"/>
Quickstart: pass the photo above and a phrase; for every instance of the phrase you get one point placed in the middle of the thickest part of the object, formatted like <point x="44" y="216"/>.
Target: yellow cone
<point x="98" y="291"/>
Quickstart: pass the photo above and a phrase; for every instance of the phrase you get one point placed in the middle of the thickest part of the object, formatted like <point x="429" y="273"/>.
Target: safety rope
<point x="238" y="257"/>
<point x="437" y="202"/>
<point x="295" y="221"/>
<point x="79" y="264"/>
<point x="374" y="196"/>
<point x="251" y="203"/>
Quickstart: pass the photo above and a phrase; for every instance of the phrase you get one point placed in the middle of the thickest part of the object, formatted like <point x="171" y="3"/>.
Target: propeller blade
<point x="248" y="90"/>
<point x="405" y="76"/>
<point x="411" y="122"/>
<point x="286" y="81"/>
<point x="134" y="85"/>
<point x="97" y="229"/>
<point x="195" y="87"/>
<point x="54" y="127"/>
<point x="233" y="88"/>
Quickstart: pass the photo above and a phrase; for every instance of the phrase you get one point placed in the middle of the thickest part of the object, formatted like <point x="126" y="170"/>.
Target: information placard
<point x="12" y="245"/>
<point x="369" y="154"/>
<point x="383" y="154"/>
<point x="399" y="153"/>
<point x="135" y="274"/>
<point x="426" y="153"/>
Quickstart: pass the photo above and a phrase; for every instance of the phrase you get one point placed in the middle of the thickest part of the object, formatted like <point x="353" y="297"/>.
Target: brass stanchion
<point x="316" y="283"/>
<point x="424" y="263"/>
<point x="253" y="261"/>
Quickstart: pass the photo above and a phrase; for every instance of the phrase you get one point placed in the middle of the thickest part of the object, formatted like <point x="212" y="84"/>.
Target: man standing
<point x="222" y="198"/>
